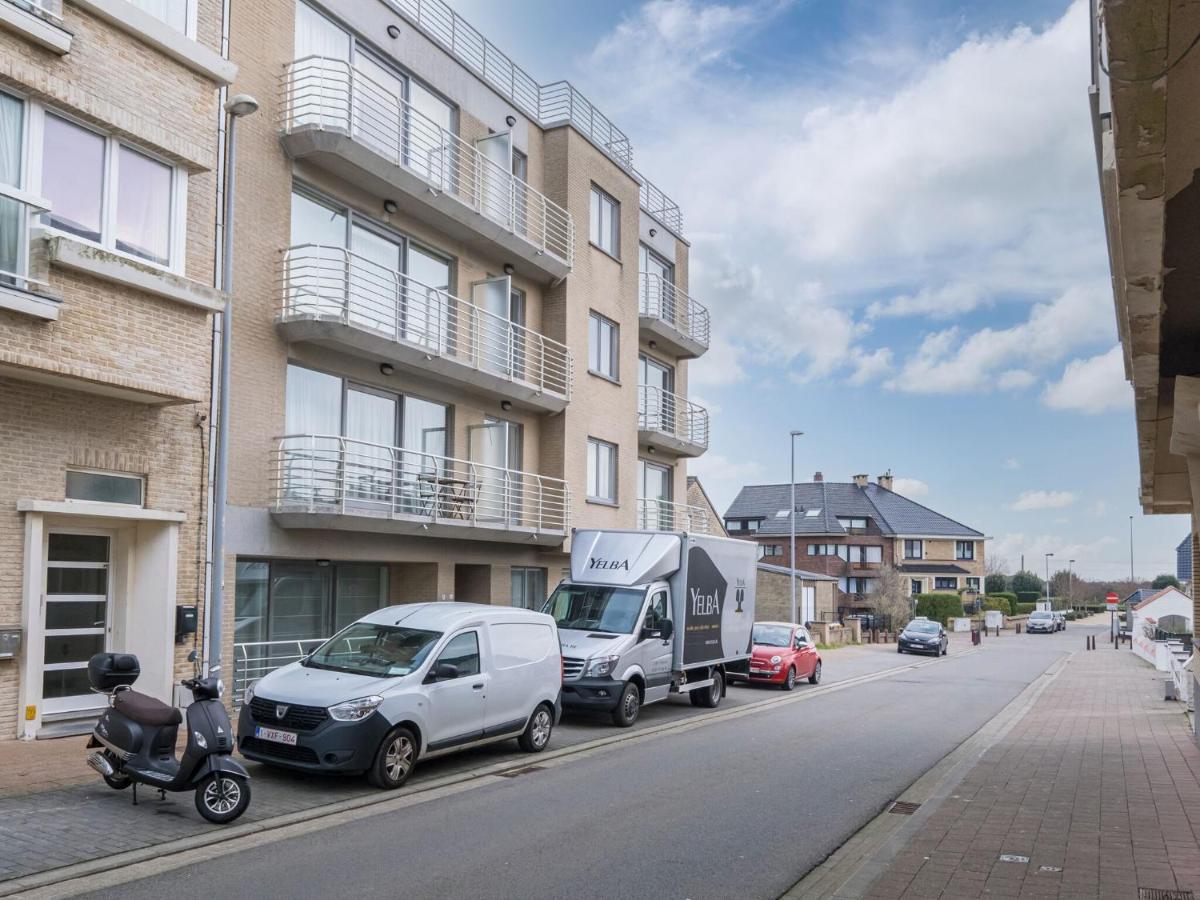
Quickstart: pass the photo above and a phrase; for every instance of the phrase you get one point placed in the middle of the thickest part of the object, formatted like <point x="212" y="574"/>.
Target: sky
<point x="895" y="222"/>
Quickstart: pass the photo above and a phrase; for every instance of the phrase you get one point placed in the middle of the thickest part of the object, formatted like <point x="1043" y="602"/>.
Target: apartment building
<point x="108" y="159"/>
<point x="462" y="323"/>
<point x="851" y="530"/>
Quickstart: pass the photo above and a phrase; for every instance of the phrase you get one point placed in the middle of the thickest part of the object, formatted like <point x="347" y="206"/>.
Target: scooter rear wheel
<point x="221" y="798"/>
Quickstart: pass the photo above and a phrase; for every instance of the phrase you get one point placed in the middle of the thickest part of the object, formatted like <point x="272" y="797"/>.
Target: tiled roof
<point x="819" y="504"/>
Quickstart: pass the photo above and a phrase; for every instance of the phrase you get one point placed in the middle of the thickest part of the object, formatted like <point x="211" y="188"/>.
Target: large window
<point x="277" y="600"/>
<point x="528" y="587"/>
<point x="605" y="222"/>
<point x="855" y="553"/>
<point x="106" y="192"/>
<point x="12" y="214"/>
<point x="857" y="585"/>
<point x="824" y="549"/>
<point x="946" y="583"/>
<point x="853" y="523"/>
<point x="914" y="549"/>
<point x="603" y="346"/>
<point x="964" y="549"/>
<point x="601" y="471"/>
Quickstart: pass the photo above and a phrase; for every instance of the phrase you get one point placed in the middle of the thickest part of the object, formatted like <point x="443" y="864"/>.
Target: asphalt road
<point x="742" y="807"/>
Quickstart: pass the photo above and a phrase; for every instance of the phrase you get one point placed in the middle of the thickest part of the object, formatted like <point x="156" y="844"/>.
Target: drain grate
<point x="904" y="808"/>
<point x="515" y="773"/>
<point x="1161" y="894"/>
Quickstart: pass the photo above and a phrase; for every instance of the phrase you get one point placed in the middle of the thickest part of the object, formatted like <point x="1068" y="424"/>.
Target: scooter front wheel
<point x="221" y="798"/>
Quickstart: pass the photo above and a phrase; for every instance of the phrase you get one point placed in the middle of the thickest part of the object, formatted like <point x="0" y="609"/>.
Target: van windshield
<point x="612" y="610"/>
<point x="365" y="648"/>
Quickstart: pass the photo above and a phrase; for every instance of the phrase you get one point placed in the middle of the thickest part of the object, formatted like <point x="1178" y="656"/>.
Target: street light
<point x="1070" y="592"/>
<point x="237" y="107"/>
<point x="1048" y="555"/>
<point x="792" y="518"/>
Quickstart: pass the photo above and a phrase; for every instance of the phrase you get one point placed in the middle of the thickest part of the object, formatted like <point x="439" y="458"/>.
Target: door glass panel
<point x="76" y="581"/>
<point x="371" y="430"/>
<point x="81" y="569"/>
<point x="250" y="602"/>
<point x="72" y="648"/>
<point x="423" y="465"/>
<point x="317" y="280"/>
<point x="299" y="601"/>
<point x="426" y="303"/>
<point x="495" y="178"/>
<point x="321" y="85"/>
<point x="657" y="403"/>
<point x="313" y="406"/>
<point x="428" y="137"/>
<point x="78" y="548"/>
<point x="490" y="332"/>
<point x="360" y="590"/>
<point x="378" y="107"/>
<point x="78" y="614"/>
<point x="65" y="683"/>
<point x="375" y="281"/>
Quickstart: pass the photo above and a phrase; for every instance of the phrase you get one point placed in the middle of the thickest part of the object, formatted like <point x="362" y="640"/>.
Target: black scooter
<point x="135" y="740"/>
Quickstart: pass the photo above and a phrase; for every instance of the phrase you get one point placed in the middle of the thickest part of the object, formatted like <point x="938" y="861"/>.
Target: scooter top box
<point x="107" y="671"/>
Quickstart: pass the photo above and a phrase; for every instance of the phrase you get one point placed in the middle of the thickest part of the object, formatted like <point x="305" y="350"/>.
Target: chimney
<point x="885" y="480"/>
<point x="861" y="480"/>
<point x="817" y="476"/>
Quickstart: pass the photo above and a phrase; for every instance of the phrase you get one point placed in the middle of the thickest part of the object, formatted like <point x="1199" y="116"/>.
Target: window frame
<point x="973" y="583"/>
<point x="940" y="582"/>
<point x="35" y="175"/>
<point x="437" y="660"/>
<point x="601" y="197"/>
<point x="613" y="472"/>
<point x="911" y="544"/>
<point x="601" y="321"/>
<point x="129" y="476"/>
<point x="959" y="551"/>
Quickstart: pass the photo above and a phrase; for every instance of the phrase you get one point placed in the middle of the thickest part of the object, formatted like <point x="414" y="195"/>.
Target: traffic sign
<point x="1112" y="601"/>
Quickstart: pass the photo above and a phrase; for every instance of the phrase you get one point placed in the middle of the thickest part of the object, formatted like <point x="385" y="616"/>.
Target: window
<point x="915" y="587"/>
<point x="603" y="346"/>
<point x="176" y="13"/>
<point x="812" y="513"/>
<point x="914" y="549"/>
<point x="277" y="600"/>
<point x="104" y="191"/>
<point x="941" y="583"/>
<point x="99" y="487"/>
<point x="528" y="587"/>
<point x="12" y="213"/>
<point x="972" y="583"/>
<point x="857" y="585"/>
<point x="605" y="222"/>
<point x="772" y="549"/>
<point x="856" y="553"/>
<point x="848" y="522"/>
<point x="964" y="549"/>
<point x="463" y="653"/>
<point x="601" y="471"/>
<point x="824" y="550"/>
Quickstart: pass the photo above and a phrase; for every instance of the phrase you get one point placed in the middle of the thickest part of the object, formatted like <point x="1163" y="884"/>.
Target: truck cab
<point x="648" y="614"/>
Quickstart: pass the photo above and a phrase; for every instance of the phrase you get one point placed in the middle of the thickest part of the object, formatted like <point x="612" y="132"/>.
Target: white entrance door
<point x="495" y="447"/>
<point x="493" y="330"/>
<point x="495" y="181"/>
<point x="78" y="617"/>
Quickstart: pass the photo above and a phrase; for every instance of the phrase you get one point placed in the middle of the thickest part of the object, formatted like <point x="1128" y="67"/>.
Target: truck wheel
<point x="628" y="706"/>
<point x="709" y="697"/>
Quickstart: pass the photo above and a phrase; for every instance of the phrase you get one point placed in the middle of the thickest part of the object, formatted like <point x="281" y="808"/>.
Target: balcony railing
<point x="334" y="284"/>
<point x="663" y="515"/>
<point x="659" y="205"/>
<point x="660" y="299"/>
<point x="19" y="214"/>
<point x="331" y="94"/>
<point x="317" y="473"/>
<point x="674" y="416"/>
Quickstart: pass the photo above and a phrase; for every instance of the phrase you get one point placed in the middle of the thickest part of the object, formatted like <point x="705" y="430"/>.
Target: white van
<point x="407" y="683"/>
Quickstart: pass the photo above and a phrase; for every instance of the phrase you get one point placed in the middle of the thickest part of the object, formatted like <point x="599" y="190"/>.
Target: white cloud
<point x="723" y="477"/>
<point x="1092" y="386"/>
<point x="940" y="302"/>
<point x="1042" y="500"/>
<point x="1011" y="463"/>
<point x="1097" y="509"/>
<point x="1093" y="559"/>
<point x="870" y="366"/>
<point x="1015" y="379"/>
<point x="910" y="487"/>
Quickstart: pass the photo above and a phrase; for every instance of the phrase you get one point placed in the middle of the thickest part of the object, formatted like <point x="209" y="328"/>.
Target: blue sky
<point x="895" y="221"/>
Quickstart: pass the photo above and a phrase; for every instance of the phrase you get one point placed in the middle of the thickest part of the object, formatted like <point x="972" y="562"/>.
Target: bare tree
<point x="995" y="565"/>
<point x="890" y="600"/>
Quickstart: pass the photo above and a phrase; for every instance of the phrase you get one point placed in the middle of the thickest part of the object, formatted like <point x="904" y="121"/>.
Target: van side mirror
<point x="442" y="672"/>
<point x="667" y="629"/>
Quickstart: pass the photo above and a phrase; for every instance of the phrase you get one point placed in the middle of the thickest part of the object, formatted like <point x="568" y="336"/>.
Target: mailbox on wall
<point x="10" y="641"/>
<point x="185" y="621"/>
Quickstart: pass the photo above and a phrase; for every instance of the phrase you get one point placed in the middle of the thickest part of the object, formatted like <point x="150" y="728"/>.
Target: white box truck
<point x="649" y="613"/>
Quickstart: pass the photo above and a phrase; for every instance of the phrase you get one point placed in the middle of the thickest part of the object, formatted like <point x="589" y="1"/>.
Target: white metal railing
<point x="659" y="205"/>
<point x="19" y="214"/>
<point x="1179" y="667"/>
<point x="252" y="660"/>
<point x="663" y="300"/>
<point x="331" y="93"/>
<point x="333" y="283"/>
<point x="50" y="10"/>
<point x="672" y="415"/>
<point x="329" y="474"/>
<point x="663" y="515"/>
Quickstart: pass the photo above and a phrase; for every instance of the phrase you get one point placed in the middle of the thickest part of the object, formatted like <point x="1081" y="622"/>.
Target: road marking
<point x="132" y="865"/>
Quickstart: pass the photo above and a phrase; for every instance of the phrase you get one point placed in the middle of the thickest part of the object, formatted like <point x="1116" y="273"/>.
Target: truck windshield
<point x="368" y="649"/>
<point x="580" y="607"/>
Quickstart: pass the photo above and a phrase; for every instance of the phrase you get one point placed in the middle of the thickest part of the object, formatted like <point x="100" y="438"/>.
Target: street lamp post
<point x="792" y="518"/>
<point x="236" y="107"/>
<point x="1070" y="585"/>
<point x="1048" y="555"/>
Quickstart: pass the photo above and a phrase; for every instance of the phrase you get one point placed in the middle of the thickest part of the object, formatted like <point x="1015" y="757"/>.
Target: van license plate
<point x="274" y="734"/>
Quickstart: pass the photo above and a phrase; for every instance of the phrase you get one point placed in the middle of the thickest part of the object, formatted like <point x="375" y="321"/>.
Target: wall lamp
<point x="510" y="121"/>
<point x="653" y="232"/>
<point x="386" y="368"/>
<point x="393" y="31"/>
<point x="506" y="405"/>
<point x="509" y="269"/>
<point x="391" y="207"/>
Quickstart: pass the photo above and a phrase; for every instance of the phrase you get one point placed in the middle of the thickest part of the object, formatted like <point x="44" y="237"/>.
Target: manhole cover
<point x="515" y="773"/>
<point x="1161" y="894"/>
<point x="904" y="808"/>
<point x="1049" y="868"/>
<point x="1013" y="858"/>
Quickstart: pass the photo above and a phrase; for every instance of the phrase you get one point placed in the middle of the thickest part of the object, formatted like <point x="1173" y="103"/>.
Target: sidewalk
<point x="1094" y="793"/>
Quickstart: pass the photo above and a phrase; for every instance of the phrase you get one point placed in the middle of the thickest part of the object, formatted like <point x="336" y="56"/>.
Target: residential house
<point x="697" y="499"/>
<point x="851" y="529"/>
<point x="815" y="595"/>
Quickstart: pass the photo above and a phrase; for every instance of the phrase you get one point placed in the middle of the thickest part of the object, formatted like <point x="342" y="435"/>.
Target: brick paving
<point x="1098" y="785"/>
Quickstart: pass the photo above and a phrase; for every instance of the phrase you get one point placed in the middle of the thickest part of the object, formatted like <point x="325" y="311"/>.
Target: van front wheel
<point x="394" y="760"/>
<point x="628" y="707"/>
<point x="536" y="736"/>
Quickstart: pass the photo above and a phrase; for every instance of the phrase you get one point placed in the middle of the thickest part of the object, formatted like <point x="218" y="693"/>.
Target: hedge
<point x="1029" y="596"/>
<point x="1024" y="609"/>
<point x="939" y="607"/>
<point x="1007" y="595"/>
<point x="998" y="603"/>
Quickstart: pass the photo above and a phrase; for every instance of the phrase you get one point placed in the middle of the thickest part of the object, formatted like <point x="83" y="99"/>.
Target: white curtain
<point x="11" y="224"/>
<point x="320" y="87"/>
<point x="143" y="207"/>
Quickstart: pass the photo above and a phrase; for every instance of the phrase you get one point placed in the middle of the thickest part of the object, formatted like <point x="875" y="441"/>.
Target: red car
<point x="781" y="654"/>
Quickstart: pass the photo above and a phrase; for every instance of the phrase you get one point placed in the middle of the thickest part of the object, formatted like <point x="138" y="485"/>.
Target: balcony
<point x="19" y="292"/>
<point x="658" y="205"/>
<point x="670" y="422"/>
<point x="663" y="515"/>
<point x="39" y="21"/>
<point x="679" y="324"/>
<point x="339" y="299"/>
<point x="343" y="120"/>
<point x="330" y="482"/>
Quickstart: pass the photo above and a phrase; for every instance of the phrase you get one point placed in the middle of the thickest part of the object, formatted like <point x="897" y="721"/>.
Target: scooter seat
<point x="145" y="710"/>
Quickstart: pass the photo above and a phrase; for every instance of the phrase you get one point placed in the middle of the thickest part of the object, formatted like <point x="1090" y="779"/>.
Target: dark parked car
<point x="923" y="636"/>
